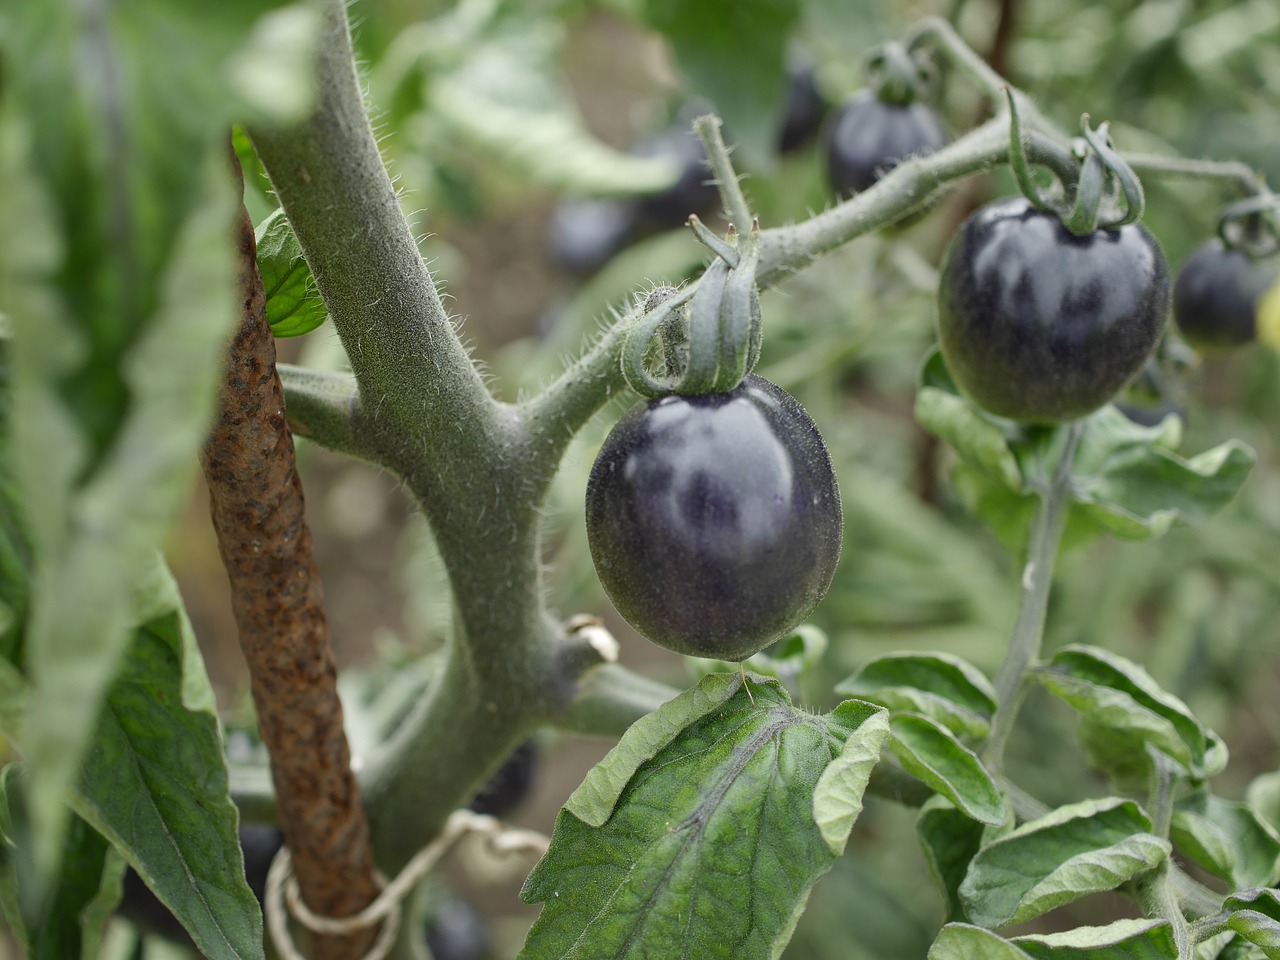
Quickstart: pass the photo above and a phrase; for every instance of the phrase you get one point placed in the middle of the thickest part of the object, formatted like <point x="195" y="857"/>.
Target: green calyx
<point x="1249" y="225"/>
<point x="708" y="335"/>
<point x="1105" y="195"/>
<point x="896" y="75"/>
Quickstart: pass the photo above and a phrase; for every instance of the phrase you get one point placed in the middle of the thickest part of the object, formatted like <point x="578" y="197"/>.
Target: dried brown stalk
<point x="257" y="506"/>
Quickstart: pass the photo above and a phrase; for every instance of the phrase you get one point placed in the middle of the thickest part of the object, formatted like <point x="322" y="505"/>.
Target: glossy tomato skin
<point x="1215" y="298"/>
<point x="714" y="520"/>
<point x="866" y="138"/>
<point x="1040" y="325"/>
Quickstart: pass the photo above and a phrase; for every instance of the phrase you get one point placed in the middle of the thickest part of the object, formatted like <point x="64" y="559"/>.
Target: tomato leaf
<point x="155" y="782"/>
<point x="1130" y="483"/>
<point x="711" y="39"/>
<point x="69" y="919"/>
<point x="1255" y="916"/>
<point x="960" y="941"/>
<point x="1073" y="851"/>
<point x="116" y="261"/>
<point x="940" y="686"/>
<point x="505" y="98"/>
<point x="1127" y="480"/>
<point x="1120" y="940"/>
<point x="983" y="442"/>
<point x="1228" y="839"/>
<point x="294" y="306"/>
<point x="719" y="815"/>
<point x="15" y="543"/>
<point x="950" y="839"/>
<point x="1113" y="692"/>
<point x="932" y="754"/>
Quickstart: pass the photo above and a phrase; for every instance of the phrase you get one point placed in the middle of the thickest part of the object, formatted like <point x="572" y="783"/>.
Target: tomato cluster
<point x="714" y="520"/>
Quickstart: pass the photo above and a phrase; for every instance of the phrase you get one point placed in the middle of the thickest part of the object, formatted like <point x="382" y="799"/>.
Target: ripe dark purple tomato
<point x="694" y="190"/>
<point x="866" y="138"/>
<point x="1043" y="326"/>
<point x="1215" y="298"/>
<point x="714" y="520"/>
<point x="804" y="108"/>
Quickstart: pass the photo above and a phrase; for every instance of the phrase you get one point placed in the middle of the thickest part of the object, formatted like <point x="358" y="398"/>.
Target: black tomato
<point x="693" y="191"/>
<point x="584" y="233"/>
<point x="1215" y="298"/>
<point x="866" y="138"/>
<point x="1040" y="325"/>
<point x="503" y="791"/>
<point x="714" y="520"/>
<point x="804" y="109"/>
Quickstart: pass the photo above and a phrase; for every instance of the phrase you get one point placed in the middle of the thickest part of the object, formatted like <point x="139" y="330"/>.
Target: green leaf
<point x="1120" y="940"/>
<point x="1134" y="486"/>
<point x="932" y="754"/>
<point x="1113" y="692"/>
<point x="15" y="543"/>
<point x="506" y="99"/>
<point x="1263" y="797"/>
<point x="960" y="941"/>
<point x="784" y="659"/>
<point x="155" y="782"/>
<point x="595" y="798"/>
<point x="116" y="262"/>
<point x="982" y="441"/>
<point x="67" y="920"/>
<point x="1228" y="839"/>
<point x="734" y="53"/>
<point x="715" y="838"/>
<point x="1073" y="851"/>
<point x="950" y="839"/>
<point x="1127" y="480"/>
<point x="940" y="686"/>
<point x="294" y="306"/>
<point x="1255" y="916"/>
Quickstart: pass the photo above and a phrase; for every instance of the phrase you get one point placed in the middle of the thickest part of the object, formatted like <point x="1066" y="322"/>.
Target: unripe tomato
<point x="1043" y="326"/>
<point x="714" y="520"/>
<point x="1215" y="298"/>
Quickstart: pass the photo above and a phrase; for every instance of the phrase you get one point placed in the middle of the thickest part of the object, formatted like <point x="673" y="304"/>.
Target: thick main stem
<point x="1037" y="579"/>
<point x="417" y="382"/>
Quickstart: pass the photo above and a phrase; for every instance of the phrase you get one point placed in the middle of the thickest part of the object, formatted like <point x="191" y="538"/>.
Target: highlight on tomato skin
<point x="714" y="520"/>
<point x="1042" y="326"/>
<point x="1217" y="293"/>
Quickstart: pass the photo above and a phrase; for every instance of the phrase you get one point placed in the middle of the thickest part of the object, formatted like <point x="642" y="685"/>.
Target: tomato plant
<point x="950" y="754"/>
<point x="714" y="519"/>
<point x="1041" y="325"/>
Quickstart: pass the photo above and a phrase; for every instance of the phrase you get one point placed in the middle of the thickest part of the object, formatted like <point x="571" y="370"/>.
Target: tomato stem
<point x="735" y="202"/>
<point x="1037" y="578"/>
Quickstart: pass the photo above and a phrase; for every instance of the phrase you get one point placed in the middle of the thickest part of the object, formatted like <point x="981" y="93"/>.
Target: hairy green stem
<point x="416" y="379"/>
<point x="943" y="37"/>
<point x="1160" y="802"/>
<point x="1159" y="899"/>
<point x="1240" y="175"/>
<point x="325" y="407"/>
<point x="735" y="202"/>
<point x="1037" y="579"/>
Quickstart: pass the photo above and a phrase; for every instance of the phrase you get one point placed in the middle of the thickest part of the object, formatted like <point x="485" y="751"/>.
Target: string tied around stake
<point x="284" y="898"/>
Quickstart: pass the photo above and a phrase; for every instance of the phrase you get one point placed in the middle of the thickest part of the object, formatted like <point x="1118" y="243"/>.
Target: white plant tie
<point x="282" y="886"/>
